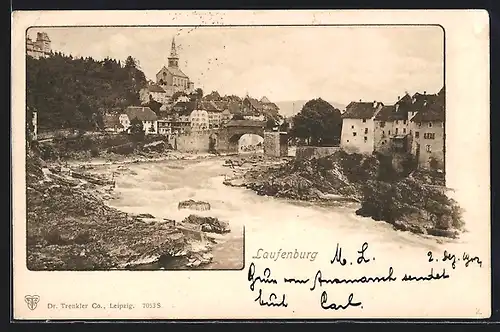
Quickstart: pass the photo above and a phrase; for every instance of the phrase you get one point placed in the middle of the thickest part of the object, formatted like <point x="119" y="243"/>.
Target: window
<point x="428" y="148"/>
<point x="347" y="141"/>
<point x="352" y="127"/>
<point x="364" y="120"/>
<point x="354" y="134"/>
<point x="383" y="142"/>
<point x="365" y="139"/>
<point x="404" y="130"/>
<point x="382" y="124"/>
<point x="389" y="132"/>
<point x="383" y="133"/>
<point x="397" y="122"/>
<point x="396" y="131"/>
<point x="430" y="124"/>
<point x="420" y="124"/>
<point x="404" y="121"/>
<point x="417" y="134"/>
<point x="366" y="130"/>
<point x="429" y="135"/>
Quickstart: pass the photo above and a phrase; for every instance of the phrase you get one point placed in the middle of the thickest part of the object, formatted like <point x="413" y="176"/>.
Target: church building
<point x="171" y="78"/>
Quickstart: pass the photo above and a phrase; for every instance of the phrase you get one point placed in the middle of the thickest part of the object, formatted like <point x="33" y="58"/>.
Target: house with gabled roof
<point x="155" y="92"/>
<point x="112" y="123"/>
<point x="268" y="106"/>
<point x="428" y="128"/>
<point x="358" y="126"/>
<point x="214" y="113"/>
<point x="146" y="115"/>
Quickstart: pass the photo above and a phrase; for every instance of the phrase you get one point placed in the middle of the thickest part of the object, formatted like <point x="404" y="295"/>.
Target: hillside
<point x="292" y="107"/>
<point x="72" y="92"/>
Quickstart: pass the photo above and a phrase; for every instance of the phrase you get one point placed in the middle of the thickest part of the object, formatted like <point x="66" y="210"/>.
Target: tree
<point x="270" y="124"/>
<point x="199" y="93"/>
<point x="71" y="92"/>
<point x="137" y="129"/>
<point x="178" y="94"/>
<point x="284" y="126"/>
<point x="318" y="122"/>
<point x="154" y="105"/>
<point x="214" y="95"/>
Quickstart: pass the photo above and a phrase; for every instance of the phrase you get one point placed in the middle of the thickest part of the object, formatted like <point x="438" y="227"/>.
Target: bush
<point x="53" y="237"/>
<point x="94" y="152"/>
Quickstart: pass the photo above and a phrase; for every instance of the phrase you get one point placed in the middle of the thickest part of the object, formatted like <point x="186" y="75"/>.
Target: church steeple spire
<point x="173" y="59"/>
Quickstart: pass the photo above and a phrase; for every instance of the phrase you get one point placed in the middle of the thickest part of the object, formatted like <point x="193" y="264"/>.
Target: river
<point x="157" y="188"/>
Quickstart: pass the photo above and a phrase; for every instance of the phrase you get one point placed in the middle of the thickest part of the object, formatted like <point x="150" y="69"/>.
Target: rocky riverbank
<point x="412" y="201"/>
<point x="69" y="226"/>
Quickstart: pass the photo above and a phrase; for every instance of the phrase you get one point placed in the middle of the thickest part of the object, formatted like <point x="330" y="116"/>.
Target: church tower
<point x="173" y="59"/>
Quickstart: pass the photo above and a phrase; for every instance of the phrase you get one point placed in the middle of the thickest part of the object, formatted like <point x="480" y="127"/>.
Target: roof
<point x="254" y="103"/>
<point x="174" y="71"/>
<point x="391" y="113"/>
<point x="432" y="112"/>
<point x="111" y="120"/>
<point x="234" y="107"/>
<point x="264" y="100"/>
<point x="245" y="123"/>
<point x="221" y="104"/>
<point x="209" y="106"/>
<point x="155" y="88"/>
<point x="361" y="110"/>
<point x="141" y="113"/>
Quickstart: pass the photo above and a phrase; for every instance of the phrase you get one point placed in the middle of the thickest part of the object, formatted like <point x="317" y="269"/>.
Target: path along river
<point x="270" y="223"/>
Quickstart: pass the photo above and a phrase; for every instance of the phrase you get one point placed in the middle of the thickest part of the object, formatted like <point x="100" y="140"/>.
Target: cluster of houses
<point x="413" y="125"/>
<point x="179" y="112"/>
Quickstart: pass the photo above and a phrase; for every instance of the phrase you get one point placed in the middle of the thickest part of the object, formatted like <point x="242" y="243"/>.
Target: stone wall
<point x="308" y="152"/>
<point x="193" y="142"/>
<point x="275" y="144"/>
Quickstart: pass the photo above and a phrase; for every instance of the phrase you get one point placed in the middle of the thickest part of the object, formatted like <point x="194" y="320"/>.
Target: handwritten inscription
<point x="254" y="279"/>
<point x="333" y="306"/>
<point x="338" y="258"/>
<point x="261" y="283"/>
<point x="453" y="259"/>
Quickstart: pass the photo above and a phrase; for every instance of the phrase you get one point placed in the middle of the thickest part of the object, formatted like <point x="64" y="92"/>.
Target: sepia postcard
<point x="250" y="164"/>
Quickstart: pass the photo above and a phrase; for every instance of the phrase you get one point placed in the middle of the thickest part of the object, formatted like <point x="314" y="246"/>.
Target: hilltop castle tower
<point x="39" y="48"/>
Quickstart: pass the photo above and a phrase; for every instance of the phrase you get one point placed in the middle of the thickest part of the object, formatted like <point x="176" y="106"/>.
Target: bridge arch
<point x="230" y="135"/>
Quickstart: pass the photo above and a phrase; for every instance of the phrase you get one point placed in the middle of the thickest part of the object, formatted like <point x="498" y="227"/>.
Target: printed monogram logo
<point x="32" y="301"/>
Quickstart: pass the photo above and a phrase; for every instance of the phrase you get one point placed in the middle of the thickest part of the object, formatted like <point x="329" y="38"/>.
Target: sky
<point x="340" y="64"/>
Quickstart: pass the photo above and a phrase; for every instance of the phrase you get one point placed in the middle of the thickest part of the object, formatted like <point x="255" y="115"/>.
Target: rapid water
<point x="157" y="188"/>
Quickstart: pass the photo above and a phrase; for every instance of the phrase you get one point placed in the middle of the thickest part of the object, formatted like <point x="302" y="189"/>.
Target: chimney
<point x="360" y="100"/>
<point x="399" y="98"/>
<point x="425" y="92"/>
<point x="374" y="104"/>
<point x="397" y="107"/>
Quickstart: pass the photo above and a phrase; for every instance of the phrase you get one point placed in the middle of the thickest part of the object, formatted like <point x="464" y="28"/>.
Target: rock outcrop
<point x="70" y="228"/>
<point x="194" y="205"/>
<point x="208" y="224"/>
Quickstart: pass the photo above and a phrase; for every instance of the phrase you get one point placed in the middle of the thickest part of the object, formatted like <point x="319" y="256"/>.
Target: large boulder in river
<point x="208" y="224"/>
<point x="194" y="205"/>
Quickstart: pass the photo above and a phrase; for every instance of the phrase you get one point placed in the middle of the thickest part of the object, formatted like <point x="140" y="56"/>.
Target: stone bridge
<point x="226" y="140"/>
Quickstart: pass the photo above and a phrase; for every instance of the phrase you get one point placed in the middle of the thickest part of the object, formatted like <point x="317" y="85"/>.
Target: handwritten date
<point x="453" y="259"/>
